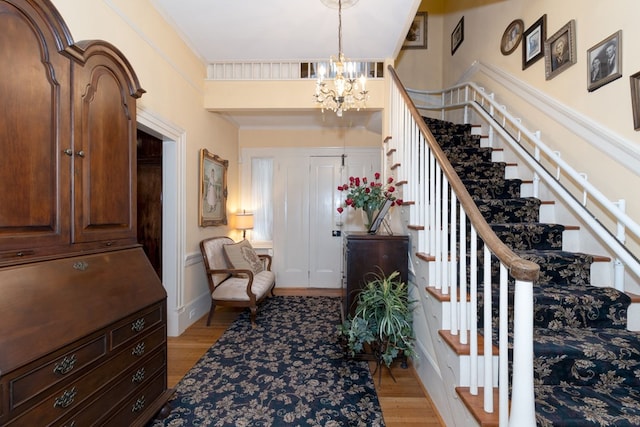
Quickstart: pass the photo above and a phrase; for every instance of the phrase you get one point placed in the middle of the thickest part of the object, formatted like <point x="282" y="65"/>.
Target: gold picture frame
<point x="212" y="208"/>
<point x="560" y="50"/>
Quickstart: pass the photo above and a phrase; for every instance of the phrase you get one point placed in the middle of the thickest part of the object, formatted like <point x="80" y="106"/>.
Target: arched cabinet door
<point x="104" y="130"/>
<point x="34" y="133"/>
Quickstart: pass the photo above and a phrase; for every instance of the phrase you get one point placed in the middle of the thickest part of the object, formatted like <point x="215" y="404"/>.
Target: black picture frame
<point x="560" y="50"/>
<point x="382" y="212"/>
<point x="601" y="67"/>
<point x="533" y="42"/>
<point x="457" y="36"/>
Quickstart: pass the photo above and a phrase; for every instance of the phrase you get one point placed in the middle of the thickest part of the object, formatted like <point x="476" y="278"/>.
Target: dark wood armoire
<point x="83" y="330"/>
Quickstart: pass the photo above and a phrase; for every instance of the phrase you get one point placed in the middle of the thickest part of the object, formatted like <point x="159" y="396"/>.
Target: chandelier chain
<point x="348" y="91"/>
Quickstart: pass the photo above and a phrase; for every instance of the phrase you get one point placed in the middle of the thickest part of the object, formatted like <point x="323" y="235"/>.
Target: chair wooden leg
<point x="213" y="308"/>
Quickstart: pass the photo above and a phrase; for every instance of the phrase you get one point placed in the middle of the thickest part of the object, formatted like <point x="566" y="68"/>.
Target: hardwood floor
<point x="404" y="402"/>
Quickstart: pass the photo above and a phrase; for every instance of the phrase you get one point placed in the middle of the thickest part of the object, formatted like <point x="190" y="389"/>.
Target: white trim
<point x="608" y="142"/>
<point x="173" y="212"/>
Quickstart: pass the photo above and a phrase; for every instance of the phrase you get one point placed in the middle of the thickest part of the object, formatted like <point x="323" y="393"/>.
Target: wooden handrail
<point x="519" y="268"/>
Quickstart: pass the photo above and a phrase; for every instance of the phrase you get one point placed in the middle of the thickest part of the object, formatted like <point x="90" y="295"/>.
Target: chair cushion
<point x="235" y="288"/>
<point x="241" y="255"/>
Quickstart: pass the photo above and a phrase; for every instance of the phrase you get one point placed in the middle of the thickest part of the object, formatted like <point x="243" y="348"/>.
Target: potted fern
<point x="382" y="323"/>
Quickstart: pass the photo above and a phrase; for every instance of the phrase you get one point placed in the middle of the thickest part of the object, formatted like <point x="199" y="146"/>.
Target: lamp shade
<point x="244" y="221"/>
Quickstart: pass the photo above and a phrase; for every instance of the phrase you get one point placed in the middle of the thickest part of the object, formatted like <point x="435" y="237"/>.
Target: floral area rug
<point x="289" y="370"/>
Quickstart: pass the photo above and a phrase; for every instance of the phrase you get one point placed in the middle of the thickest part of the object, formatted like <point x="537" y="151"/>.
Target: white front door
<point x="325" y="241"/>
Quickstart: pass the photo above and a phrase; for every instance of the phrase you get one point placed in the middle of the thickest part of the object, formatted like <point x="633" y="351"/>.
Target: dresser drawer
<point x="133" y="407"/>
<point x="136" y="325"/>
<point x="55" y="370"/>
<point x="129" y="381"/>
<point x="68" y="398"/>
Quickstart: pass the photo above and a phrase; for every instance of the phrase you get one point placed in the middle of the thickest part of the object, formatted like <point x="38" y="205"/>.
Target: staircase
<point x="525" y="308"/>
<point x="586" y="363"/>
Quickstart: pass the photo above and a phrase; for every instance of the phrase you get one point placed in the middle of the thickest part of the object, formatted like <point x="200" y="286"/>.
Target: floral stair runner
<point x="587" y="365"/>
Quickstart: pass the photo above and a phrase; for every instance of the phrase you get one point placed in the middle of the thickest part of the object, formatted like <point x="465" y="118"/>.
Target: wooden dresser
<point x="83" y="331"/>
<point x="363" y="254"/>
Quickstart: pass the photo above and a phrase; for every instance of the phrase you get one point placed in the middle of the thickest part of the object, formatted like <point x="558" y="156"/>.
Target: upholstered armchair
<point x="237" y="276"/>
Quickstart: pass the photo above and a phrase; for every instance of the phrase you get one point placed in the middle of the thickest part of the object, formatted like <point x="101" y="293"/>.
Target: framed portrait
<point x="512" y="37"/>
<point x="635" y="99"/>
<point x="213" y="189"/>
<point x="417" y="36"/>
<point x="457" y="36"/>
<point x="533" y="42"/>
<point x="604" y="61"/>
<point x="560" y="50"/>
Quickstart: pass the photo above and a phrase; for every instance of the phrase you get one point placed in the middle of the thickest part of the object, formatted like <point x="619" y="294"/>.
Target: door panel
<point x="291" y="222"/>
<point x="325" y="243"/>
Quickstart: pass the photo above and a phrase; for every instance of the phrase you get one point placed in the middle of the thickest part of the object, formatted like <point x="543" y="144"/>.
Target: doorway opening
<point x="149" y="188"/>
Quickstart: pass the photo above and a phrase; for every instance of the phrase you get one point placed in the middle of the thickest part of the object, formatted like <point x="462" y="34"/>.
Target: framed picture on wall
<point x="560" y="50"/>
<point x="457" y="36"/>
<point x="213" y="189"/>
<point x="604" y="61"/>
<point x="511" y="37"/>
<point x="417" y="36"/>
<point x="533" y="42"/>
<point x="635" y="99"/>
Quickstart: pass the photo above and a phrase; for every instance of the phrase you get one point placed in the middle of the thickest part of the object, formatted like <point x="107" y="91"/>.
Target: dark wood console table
<point x="363" y="254"/>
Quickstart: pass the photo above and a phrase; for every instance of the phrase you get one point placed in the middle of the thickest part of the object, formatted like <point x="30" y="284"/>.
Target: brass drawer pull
<point x="138" y="377"/>
<point x="81" y="265"/>
<point x="139" y="405"/>
<point x="138" y="350"/>
<point x="66" y="399"/>
<point x="138" y="325"/>
<point x="65" y="365"/>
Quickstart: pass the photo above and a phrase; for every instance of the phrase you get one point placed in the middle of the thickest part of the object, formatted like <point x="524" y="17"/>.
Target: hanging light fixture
<point x="348" y="92"/>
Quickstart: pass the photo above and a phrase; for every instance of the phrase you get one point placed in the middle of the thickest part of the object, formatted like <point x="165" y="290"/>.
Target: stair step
<point x="493" y="188"/>
<point x="530" y="236"/>
<point x="453" y="341"/>
<point x="442" y="297"/>
<point x="475" y="404"/>
<point x="570" y="406"/>
<point x="522" y="209"/>
<point x="587" y="357"/>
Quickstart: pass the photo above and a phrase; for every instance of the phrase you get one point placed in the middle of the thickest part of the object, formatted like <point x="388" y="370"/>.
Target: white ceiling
<point x="291" y="30"/>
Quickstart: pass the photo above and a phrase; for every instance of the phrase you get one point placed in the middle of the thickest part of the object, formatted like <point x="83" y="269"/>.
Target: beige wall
<point x="422" y="68"/>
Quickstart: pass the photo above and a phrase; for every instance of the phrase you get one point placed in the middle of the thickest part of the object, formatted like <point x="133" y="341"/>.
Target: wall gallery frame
<point x="533" y="42"/>
<point x="512" y="37"/>
<point x="560" y="50"/>
<point x="604" y="61"/>
<point x="457" y="36"/>
<point x="417" y="36"/>
<point x="213" y="189"/>
<point x="635" y="99"/>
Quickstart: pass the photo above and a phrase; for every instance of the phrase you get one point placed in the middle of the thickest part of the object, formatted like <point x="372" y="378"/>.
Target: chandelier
<point x="348" y="91"/>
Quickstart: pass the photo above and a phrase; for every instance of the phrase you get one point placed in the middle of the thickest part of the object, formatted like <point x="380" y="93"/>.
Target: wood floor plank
<point x="404" y="402"/>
